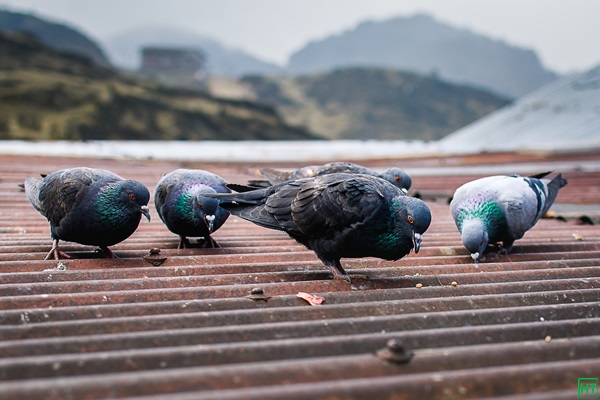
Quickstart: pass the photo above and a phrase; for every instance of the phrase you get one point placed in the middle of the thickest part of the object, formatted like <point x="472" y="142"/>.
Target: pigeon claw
<point x="55" y="253"/>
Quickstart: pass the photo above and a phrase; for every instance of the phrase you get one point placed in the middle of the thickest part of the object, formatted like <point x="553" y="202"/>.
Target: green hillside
<point x="50" y="95"/>
<point x="364" y="103"/>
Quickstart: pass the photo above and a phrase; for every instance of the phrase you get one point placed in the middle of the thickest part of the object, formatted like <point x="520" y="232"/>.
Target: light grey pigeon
<point x="181" y="203"/>
<point x="88" y="206"/>
<point x="338" y="215"/>
<point x="501" y="209"/>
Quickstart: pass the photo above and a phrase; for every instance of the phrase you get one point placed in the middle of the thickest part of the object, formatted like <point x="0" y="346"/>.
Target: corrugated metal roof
<point x="525" y="326"/>
<point x="564" y="114"/>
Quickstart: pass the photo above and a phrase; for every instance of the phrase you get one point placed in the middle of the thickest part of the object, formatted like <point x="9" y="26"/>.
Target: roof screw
<point x="395" y="352"/>
<point x="153" y="257"/>
<point x="258" y="294"/>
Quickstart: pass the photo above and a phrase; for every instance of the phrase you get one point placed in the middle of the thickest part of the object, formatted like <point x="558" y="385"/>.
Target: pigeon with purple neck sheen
<point x="88" y="206"/>
<point x="501" y="209"/>
<point x="181" y="202"/>
<point x="338" y="216"/>
<point x="395" y="176"/>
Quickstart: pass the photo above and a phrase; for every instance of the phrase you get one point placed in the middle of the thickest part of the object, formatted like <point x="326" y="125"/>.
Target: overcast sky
<point x="564" y="33"/>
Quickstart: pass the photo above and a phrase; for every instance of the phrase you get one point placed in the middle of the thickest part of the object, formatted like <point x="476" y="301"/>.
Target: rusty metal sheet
<point x="432" y="325"/>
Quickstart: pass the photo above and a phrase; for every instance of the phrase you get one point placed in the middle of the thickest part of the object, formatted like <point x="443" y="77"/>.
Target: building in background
<point x="185" y="67"/>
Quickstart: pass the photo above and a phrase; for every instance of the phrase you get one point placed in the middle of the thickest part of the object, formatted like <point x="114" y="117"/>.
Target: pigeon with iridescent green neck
<point x="88" y="206"/>
<point x="501" y="209"/>
<point x="181" y="204"/>
<point x="338" y="216"/>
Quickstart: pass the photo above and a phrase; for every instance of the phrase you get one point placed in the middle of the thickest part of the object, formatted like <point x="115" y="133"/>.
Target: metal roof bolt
<point x="258" y="294"/>
<point x="153" y="257"/>
<point x="395" y="352"/>
<point x="257" y="290"/>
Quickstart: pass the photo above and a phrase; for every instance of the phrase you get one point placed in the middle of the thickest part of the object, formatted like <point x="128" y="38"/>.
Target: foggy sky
<point x="564" y="33"/>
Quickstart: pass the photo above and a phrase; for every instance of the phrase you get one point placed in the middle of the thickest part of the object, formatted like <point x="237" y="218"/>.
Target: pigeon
<point x="396" y="176"/>
<point x="88" y="206"/>
<point x="338" y="216"/>
<point x="501" y="209"/>
<point x="183" y="208"/>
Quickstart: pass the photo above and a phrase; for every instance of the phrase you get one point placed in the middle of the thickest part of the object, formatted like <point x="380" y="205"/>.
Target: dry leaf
<point x="311" y="298"/>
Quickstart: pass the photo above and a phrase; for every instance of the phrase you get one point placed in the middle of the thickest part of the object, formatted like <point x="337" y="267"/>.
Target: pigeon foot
<point x="55" y="253"/>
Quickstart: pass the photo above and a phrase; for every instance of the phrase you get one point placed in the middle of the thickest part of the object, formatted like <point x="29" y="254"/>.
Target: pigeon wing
<point x="323" y="207"/>
<point x="61" y="190"/>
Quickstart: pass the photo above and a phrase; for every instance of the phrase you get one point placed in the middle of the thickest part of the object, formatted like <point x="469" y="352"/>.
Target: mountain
<point x="125" y="50"/>
<point x="57" y="36"/>
<point x="372" y="103"/>
<point x="51" y="95"/>
<point x="422" y="44"/>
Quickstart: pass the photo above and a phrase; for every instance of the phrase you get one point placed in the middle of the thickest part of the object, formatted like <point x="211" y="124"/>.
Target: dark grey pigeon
<point x="183" y="207"/>
<point x="88" y="206"/>
<point x="338" y="216"/>
<point x="395" y="176"/>
<point x="501" y="209"/>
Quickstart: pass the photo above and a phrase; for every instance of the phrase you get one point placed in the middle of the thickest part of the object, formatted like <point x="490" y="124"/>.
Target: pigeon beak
<point x="475" y="257"/>
<point x="210" y="220"/>
<point x="146" y="212"/>
<point x="404" y="191"/>
<point x="417" y="241"/>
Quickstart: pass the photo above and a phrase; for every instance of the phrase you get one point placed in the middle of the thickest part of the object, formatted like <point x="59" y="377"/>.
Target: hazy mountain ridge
<point x="365" y="103"/>
<point x="54" y="35"/>
<point x="424" y="45"/>
<point x="50" y="95"/>
<point x="419" y="43"/>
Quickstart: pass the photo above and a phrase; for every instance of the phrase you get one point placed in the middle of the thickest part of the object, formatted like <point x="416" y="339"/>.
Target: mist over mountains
<point x="424" y="45"/>
<point x="418" y="44"/>
<point x="124" y="49"/>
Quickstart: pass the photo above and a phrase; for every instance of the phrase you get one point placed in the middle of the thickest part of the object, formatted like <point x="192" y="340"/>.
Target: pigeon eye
<point x="132" y="196"/>
<point x="411" y="220"/>
<point x="398" y="179"/>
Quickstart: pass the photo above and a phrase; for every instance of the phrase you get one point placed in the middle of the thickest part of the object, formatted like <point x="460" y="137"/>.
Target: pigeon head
<point x="206" y="209"/>
<point x="132" y="196"/>
<point x="397" y="177"/>
<point x="475" y="237"/>
<point x="417" y="219"/>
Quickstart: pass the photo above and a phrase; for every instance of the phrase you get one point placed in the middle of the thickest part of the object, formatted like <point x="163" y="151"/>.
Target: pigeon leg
<point x="335" y="267"/>
<point x="108" y="253"/>
<point x="184" y="243"/>
<point x="506" y="247"/>
<point x="55" y="252"/>
<point x="210" y="243"/>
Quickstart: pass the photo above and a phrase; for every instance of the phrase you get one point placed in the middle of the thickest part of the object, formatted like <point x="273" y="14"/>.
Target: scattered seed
<point x="419" y="285"/>
<point x="454" y="283"/>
